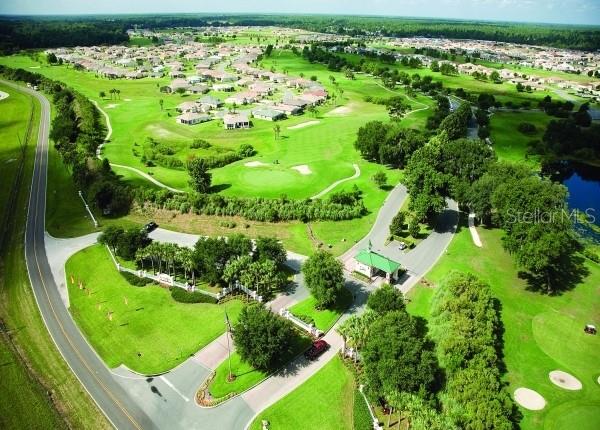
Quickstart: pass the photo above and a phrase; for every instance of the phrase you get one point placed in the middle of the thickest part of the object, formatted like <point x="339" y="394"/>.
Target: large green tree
<point x="200" y="177"/>
<point x="263" y="338"/>
<point x="386" y="299"/>
<point x="397" y="358"/>
<point x="324" y="278"/>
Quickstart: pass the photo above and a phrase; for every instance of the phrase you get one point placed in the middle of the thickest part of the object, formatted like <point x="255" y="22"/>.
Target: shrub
<point x="526" y="128"/>
<point x="182" y="296"/>
<point x="134" y="280"/>
<point x="200" y="144"/>
<point x="305" y="318"/>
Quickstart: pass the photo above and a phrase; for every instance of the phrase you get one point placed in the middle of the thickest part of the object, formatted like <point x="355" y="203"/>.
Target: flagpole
<point x="228" y="333"/>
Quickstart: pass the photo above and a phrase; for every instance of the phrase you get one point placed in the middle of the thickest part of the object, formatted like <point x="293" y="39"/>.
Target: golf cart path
<point x="122" y="166"/>
<point x="474" y="232"/>
<point x="336" y="183"/>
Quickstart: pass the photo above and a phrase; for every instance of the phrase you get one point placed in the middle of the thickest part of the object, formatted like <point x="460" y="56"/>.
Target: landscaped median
<point x="140" y="327"/>
<point x="218" y="388"/>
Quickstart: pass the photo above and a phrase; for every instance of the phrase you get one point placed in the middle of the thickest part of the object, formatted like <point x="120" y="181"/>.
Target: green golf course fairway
<point x="509" y="143"/>
<point x="327" y="147"/>
<point x="542" y="333"/>
<point x="325" y="402"/>
<point x="164" y="331"/>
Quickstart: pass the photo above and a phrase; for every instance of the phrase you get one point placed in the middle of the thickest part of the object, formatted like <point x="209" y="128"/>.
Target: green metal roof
<point x="372" y="259"/>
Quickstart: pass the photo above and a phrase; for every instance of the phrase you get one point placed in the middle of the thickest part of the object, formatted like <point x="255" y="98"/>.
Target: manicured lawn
<point x="323" y="318"/>
<point x="509" y="143"/>
<point x="145" y="320"/>
<point x="324" y="402"/>
<point x="542" y="333"/>
<point x="246" y="376"/>
<point x="15" y="112"/>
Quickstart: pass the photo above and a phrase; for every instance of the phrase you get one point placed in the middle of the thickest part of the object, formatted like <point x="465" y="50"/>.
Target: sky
<point x="548" y="11"/>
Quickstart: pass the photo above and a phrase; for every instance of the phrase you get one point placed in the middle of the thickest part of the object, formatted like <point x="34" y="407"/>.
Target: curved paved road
<point x="122" y="412"/>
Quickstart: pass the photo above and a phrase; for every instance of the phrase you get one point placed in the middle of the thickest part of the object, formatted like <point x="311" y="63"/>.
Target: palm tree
<point x="161" y="102"/>
<point x="277" y="130"/>
<point x="140" y="255"/>
<point x="118" y="92"/>
<point x="188" y="263"/>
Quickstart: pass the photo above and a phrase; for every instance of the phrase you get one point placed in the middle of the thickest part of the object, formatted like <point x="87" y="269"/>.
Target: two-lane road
<point x="81" y="358"/>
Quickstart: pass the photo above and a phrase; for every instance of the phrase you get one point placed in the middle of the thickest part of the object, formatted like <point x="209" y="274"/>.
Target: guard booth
<point x="372" y="264"/>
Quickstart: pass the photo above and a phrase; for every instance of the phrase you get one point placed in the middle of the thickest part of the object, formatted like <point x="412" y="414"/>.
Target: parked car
<point x="317" y="348"/>
<point x="403" y="246"/>
<point x="151" y="226"/>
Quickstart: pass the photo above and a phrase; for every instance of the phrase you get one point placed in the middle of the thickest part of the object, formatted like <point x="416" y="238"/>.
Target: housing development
<point x="246" y="221"/>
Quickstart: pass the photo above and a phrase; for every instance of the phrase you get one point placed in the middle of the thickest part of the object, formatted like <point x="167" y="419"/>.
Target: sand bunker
<point x="342" y="110"/>
<point x="3" y="95"/>
<point x="529" y="399"/>
<point x="304" y="124"/>
<point x="110" y="106"/>
<point x="565" y="380"/>
<point x="255" y="164"/>
<point x="303" y="169"/>
<point x="127" y="100"/>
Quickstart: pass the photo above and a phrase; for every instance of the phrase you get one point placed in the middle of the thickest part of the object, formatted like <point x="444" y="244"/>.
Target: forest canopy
<point x="45" y="32"/>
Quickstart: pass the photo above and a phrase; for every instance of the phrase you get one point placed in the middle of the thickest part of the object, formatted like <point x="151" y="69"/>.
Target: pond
<point x="583" y="183"/>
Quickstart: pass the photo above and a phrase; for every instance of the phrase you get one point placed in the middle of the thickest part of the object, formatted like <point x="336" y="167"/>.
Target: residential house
<point x="210" y="101"/>
<point x="187" y="107"/>
<point x="191" y="118"/>
<point x="235" y="120"/>
<point x="288" y="109"/>
<point x="268" y="114"/>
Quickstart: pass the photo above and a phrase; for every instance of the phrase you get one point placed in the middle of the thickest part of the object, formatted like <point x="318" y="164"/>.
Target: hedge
<point x="182" y="296"/>
<point x="134" y="280"/>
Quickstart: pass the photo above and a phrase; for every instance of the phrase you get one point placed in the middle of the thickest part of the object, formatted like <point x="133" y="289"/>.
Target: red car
<point x="318" y="347"/>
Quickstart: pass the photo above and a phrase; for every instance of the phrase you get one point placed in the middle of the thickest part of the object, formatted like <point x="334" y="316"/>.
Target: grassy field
<point x="144" y="320"/>
<point x="46" y="370"/>
<point x="23" y="403"/>
<point x="325" y="147"/>
<point x="323" y="319"/>
<point x="324" y="402"/>
<point x="509" y="143"/>
<point x="542" y="333"/>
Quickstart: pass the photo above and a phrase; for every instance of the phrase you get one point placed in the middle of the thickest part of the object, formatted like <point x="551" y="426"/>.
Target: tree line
<point x="44" y="32"/>
<point x="32" y="33"/>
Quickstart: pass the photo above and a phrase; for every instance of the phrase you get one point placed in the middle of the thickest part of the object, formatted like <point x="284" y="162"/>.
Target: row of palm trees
<point x="355" y="330"/>
<point x="168" y="258"/>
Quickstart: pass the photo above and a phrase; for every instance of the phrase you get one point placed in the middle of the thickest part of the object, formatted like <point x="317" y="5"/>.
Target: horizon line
<point x="365" y="15"/>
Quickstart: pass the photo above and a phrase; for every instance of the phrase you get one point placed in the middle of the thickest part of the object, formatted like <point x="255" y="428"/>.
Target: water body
<point x="583" y="183"/>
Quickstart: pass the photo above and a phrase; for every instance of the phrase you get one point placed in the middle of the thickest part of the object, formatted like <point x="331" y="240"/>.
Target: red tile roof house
<point x="235" y="120"/>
